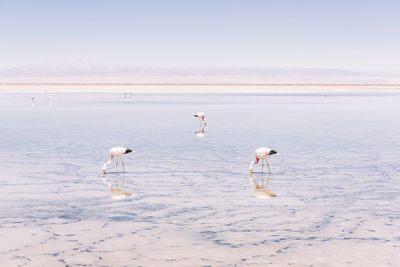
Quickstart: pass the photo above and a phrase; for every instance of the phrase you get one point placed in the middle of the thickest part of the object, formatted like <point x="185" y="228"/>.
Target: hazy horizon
<point x="85" y="72"/>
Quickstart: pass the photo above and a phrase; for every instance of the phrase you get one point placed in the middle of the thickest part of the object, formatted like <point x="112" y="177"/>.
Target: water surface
<point x="186" y="198"/>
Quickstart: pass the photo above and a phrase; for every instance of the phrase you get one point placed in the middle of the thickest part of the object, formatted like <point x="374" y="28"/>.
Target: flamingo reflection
<point x="117" y="192"/>
<point x="201" y="132"/>
<point x="262" y="191"/>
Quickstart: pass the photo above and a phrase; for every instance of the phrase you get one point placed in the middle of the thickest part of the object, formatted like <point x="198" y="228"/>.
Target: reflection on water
<point x="202" y="131"/>
<point x="262" y="191"/>
<point x="116" y="190"/>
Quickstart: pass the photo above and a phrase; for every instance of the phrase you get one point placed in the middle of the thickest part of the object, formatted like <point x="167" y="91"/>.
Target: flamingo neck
<point x="105" y="165"/>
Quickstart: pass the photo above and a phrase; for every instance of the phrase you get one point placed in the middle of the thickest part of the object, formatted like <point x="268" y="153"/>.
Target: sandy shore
<point x="93" y="87"/>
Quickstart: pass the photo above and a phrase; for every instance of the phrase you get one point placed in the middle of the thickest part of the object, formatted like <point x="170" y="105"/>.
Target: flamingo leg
<point x="268" y="167"/>
<point x="262" y="168"/>
<point x="116" y="165"/>
<point x="123" y="165"/>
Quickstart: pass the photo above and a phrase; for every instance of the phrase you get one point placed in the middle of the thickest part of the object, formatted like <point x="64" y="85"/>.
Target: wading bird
<point x="201" y="117"/>
<point x="262" y="153"/>
<point x="116" y="152"/>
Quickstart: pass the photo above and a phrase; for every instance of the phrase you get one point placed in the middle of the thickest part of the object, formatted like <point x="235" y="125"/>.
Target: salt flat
<point x="336" y="178"/>
<point x="210" y="88"/>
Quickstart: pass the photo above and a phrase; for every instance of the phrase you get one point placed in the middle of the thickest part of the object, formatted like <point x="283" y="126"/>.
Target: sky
<point x="354" y="35"/>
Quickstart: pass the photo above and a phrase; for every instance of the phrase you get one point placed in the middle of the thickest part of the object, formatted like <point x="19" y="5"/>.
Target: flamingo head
<point x="128" y="151"/>
<point x="272" y="152"/>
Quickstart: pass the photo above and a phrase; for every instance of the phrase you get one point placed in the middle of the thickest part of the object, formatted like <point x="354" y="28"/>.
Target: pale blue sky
<point x="355" y="35"/>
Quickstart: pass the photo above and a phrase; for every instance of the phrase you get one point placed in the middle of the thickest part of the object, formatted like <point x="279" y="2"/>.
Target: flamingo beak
<point x="272" y="152"/>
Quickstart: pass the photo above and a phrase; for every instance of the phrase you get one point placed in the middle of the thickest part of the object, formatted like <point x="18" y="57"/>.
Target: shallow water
<point x="192" y="202"/>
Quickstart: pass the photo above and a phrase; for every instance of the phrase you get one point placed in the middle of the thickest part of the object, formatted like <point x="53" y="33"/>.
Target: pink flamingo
<point x="262" y="153"/>
<point x="116" y="152"/>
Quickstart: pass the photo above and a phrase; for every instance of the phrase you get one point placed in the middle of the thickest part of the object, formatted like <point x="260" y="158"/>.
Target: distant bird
<point x="262" y="153"/>
<point x="201" y="117"/>
<point x="50" y="101"/>
<point x="131" y="95"/>
<point x="116" y="152"/>
<point x="33" y="100"/>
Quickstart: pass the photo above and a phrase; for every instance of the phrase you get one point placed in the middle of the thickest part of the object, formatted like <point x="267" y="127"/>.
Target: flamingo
<point x="116" y="152"/>
<point x="201" y="117"/>
<point x="262" y="153"/>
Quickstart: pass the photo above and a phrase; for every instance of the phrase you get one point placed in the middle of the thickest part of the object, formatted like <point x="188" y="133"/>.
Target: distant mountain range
<point x="90" y="73"/>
